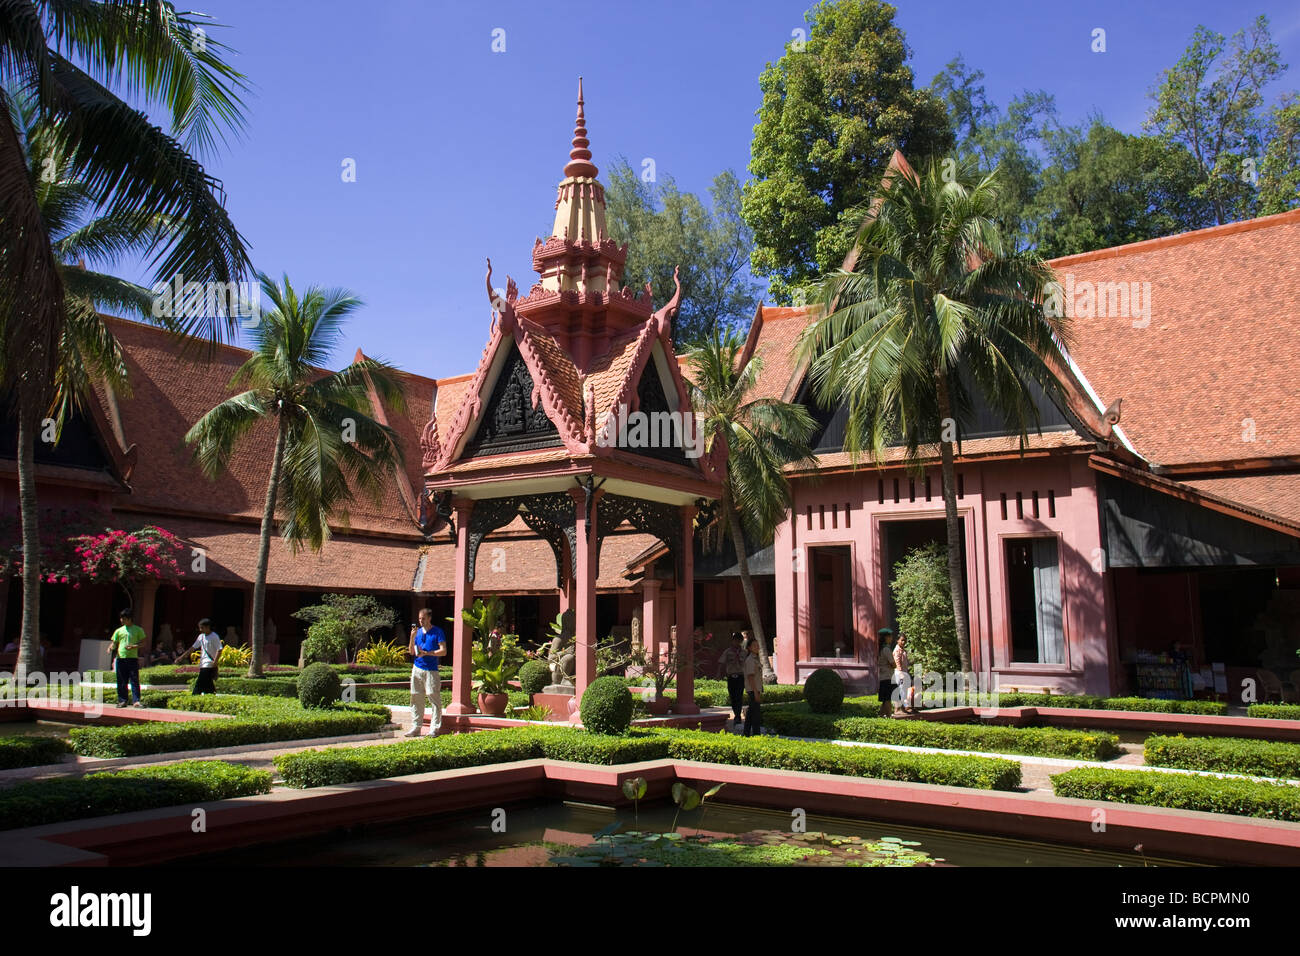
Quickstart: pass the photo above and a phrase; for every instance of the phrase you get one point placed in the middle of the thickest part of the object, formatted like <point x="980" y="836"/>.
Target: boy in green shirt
<point x="126" y="641"/>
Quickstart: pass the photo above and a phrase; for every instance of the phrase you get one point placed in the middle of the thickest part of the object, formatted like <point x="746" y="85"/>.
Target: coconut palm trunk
<point x="264" y="553"/>
<point x="747" y="585"/>
<point x="955" y="571"/>
<point x="28" y="642"/>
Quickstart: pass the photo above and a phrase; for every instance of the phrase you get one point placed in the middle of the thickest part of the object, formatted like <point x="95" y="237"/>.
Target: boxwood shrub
<point x="534" y="677"/>
<point x="1275" y="801"/>
<point x="38" y="802"/>
<point x="1089" y="702"/>
<point x="254" y="720"/>
<point x="315" y="768"/>
<point x="824" y="691"/>
<point x="31" y="751"/>
<point x="1038" y="741"/>
<point x="713" y="693"/>
<point x="1260" y="758"/>
<point x="606" y="706"/>
<point x="1274" y="711"/>
<point x="319" y="686"/>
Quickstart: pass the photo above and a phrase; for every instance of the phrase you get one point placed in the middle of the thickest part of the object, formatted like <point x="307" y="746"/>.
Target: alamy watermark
<point x="638" y="429"/>
<point x="951" y="689"/>
<point x="1104" y="300"/>
<point x="181" y="299"/>
<point x="24" y="687"/>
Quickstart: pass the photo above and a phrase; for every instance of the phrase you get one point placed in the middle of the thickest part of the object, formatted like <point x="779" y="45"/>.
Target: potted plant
<point x="496" y="657"/>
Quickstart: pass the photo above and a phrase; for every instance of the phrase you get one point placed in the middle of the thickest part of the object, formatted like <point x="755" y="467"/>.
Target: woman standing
<point x="902" y="664"/>
<point x="754" y="686"/>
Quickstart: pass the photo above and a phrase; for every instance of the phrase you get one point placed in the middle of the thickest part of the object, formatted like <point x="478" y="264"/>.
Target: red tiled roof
<point x="1216" y="365"/>
<point x="346" y="561"/>
<point x="1277" y="495"/>
<point x="171" y="392"/>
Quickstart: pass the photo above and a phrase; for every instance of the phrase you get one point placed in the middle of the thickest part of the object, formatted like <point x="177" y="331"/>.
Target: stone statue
<point x="560" y="657"/>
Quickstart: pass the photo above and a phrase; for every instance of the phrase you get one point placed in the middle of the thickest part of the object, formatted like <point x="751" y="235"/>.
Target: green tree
<point x="762" y="435"/>
<point x="344" y="622"/>
<point x="326" y="443"/>
<point x="937" y="313"/>
<point x="1005" y="142"/>
<point x="835" y="107"/>
<point x="1211" y="102"/>
<point x="924" y="603"/>
<point x="80" y="62"/>
<point x="666" y="228"/>
<point x="1104" y="188"/>
<point x="1279" y="174"/>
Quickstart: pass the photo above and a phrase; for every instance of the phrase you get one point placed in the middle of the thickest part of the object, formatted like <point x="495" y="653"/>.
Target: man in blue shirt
<point x="428" y="643"/>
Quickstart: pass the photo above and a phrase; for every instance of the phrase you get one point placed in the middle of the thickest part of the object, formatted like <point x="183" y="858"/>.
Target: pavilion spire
<point x="580" y="163"/>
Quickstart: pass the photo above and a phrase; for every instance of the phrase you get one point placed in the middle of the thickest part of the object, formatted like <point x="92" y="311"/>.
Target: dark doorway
<point x="832" y="601"/>
<point x="898" y="538"/>
<point x="228" y="611"/>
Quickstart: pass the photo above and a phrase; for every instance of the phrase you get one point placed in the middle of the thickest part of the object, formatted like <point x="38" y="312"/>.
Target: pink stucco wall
<point x="846" y="510"/>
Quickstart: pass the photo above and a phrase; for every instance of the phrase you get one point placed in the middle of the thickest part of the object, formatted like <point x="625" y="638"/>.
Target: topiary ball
<point x="534" y="677"/>
<point x="319" y="686"/>
<point x="824" y="691"/>
<point x="607" y="706"/>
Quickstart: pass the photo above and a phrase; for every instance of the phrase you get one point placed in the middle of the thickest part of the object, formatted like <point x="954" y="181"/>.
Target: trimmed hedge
<point x="31" y="751"/>
<point x="1247" y="798"/>
<point x="315" y="768"/>
<point x="255" y="720"/>
<point x="713" y="693"/>
<point x="1038" y="741"/>
<point x="1260" y="758"/>
<point x="1274" y="711"/>
<point x="319" y="686"/>
<point x="1088" y="702"/>
<point x="142" y="788"/>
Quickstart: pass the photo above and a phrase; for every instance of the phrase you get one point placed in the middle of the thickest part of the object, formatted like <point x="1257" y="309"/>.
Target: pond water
<point x="35" y="728"/>
<point x="558" y="834"/>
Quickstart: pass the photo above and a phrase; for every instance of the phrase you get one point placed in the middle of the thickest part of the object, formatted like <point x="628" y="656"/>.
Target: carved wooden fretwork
<point x="552" y="518"/>
<point x="510" y="421"/>
<point x="651" y="517"/>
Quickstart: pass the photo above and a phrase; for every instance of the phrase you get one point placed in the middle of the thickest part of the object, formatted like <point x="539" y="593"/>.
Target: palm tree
<point x="936" y="312"/>
<point x="69" y="57"/>
<point x="326" y="443"/>
<point x="762" y="435"/>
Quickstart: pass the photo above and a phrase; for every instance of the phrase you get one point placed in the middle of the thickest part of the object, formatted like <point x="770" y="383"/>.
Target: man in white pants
<point x="428" y="643"/>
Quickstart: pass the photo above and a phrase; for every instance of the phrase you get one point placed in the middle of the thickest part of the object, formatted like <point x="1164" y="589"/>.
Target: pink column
<point x="651" y="614"/>
<point x="584" y="592"/>
<point x="783" y="641"/>
<point x="686" y="617"/>
<point x="462" y="635"/>
<point x="143" y="607"/>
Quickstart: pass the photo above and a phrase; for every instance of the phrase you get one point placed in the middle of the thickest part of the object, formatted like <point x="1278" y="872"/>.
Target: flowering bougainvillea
<point x="60" y="529"/>
<point x="130" y="557"/>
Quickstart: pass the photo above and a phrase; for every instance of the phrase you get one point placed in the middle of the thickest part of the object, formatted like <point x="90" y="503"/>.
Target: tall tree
<point x="326" y="443"/>
<point x="666" y="228"/>
<point x="1212" y="103"/>
<point x="1008" y="142"/>
<point x="77" y="59"/>
<point x="1279" y="174"/>
<point x="936" y="300"/>
<point x="1104" y="188"/>
<point x="762" y="435"/>
<point x="835" y="107"/>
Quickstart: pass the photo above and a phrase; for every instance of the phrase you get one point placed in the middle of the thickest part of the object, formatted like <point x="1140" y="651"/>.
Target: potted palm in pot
<point x="496" y="657"/>
<point x="661" y="669"/>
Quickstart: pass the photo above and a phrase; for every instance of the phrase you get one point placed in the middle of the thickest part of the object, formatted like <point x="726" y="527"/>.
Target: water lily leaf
<point x="612" y="828"/>
<point x="685" y="797"/>
<point x="634" y="788"/>
<point x="713" y="791"/>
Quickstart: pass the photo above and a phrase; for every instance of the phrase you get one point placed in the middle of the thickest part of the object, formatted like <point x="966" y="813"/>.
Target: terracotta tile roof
<point x="347" y="561"/>
<point x="170" y="393"/>
<point x="559" y="367"/>
<point x="489" y="462"/>
<point x="1276" y="495"/>
<point x="777" y="347"/>
<point x="1216" y="365"/>
<point x="975" y="448"/>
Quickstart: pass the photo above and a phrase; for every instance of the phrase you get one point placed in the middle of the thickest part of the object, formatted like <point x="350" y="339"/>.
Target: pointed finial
<point x="580" y="163"/>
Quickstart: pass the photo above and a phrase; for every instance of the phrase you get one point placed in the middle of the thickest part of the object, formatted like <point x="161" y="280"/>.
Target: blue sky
<point x="458" y="148"/>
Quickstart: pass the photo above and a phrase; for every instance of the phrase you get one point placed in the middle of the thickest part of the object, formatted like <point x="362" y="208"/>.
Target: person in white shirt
<point x="754" y="686"/>
<point x="208" y="644"/>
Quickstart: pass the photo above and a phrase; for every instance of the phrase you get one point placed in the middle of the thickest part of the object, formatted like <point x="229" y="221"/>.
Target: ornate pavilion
<point x="530" y="441"/>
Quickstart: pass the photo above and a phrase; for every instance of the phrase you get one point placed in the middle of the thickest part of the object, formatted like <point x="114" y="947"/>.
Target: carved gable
<point x="664" y="426"/>
<point x="510" y="421"/>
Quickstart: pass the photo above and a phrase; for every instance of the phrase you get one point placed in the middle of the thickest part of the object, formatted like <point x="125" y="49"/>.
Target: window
<point x="1034" y="601"/>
